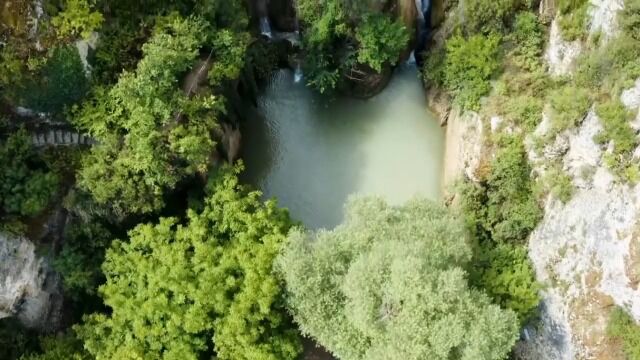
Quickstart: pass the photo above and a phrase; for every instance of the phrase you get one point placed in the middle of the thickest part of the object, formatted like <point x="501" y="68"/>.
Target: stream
<point x="312" y="154"/>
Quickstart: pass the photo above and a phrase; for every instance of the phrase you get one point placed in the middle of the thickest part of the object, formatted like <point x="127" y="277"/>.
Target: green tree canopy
<point x="144" y="146"/>
<point x="342" y="34"/>
<point x="77" y="19"/>
<point x="173" y="287"/>
<point x="389" y="284"/>
<point x="26" y="185"/>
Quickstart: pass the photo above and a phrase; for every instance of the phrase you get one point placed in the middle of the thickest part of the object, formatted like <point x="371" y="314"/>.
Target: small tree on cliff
<point x="389" y="284"/>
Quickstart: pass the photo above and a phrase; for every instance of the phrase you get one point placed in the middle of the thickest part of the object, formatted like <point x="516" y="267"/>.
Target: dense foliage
<point x="165" y="290"/>
<point x="81" y="256"/>
<point x="342" y="36"/>
<point x="77" y="19"/>
<point x="573" y="18"/>
<point x="60" y="347"/>
<point x="389" y="284"/>
<point x="465" y="68"/>
<point x="150" y="134"/>
<point x="58" y="82"/>
<point x="26" y="184"/>
<point x="500" y="214"/>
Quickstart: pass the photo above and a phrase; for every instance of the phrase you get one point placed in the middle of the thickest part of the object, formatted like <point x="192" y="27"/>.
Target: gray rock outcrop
<point x="29" y="289"/>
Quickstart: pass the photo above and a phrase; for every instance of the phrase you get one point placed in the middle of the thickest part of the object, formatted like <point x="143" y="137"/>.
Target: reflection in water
<point x="312" y="155"/>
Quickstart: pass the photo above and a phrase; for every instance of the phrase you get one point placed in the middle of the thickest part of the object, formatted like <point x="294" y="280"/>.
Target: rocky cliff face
<point x="29" y="289"/>
<point x="586" y="252"/>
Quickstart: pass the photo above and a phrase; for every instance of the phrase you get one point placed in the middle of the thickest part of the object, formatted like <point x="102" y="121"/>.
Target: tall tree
<point x="144" y="147"/>
<point x="172" y="287"/>
<point x="389" y="284"/>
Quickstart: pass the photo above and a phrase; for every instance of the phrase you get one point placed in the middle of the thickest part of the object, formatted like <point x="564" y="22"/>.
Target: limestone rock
<point x="464" y="149"/>
<point x="29" y="289"/>
<point x="560" y="54"/>
<point x="603" y="15"/>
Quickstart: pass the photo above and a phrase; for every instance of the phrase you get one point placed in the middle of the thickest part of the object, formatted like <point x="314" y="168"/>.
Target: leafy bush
<point x="573" y="18"/>
<point x="229" y="50"/>
<point x="616" y="118"/>
<point x="500" y="214"/>
<point x="524" y="111"/>
<point x="465" y="68"/>
<point x="77" y="19"/>
<point x="504" y="208"/>
<point x="143" y="150"/>
<point x="81" y="256"/>
<point x="623" y="327"/>
<point x="505" y="272"/>
<point x="630" y="19"/>
<point x="26" y="185"/>
<point x="389" y="284"/>
<point x="60" y="82"/>
<point x="528" y="39"/>
<point x="381" y="40"/>
<point x="512" y="209"/>
<point x="610" y="68"/>
<point x="481" y="16"/>
<point x="569" y="106"/>
<point x="616" y="124"/>
<point x="59" y="347"/>
<point x="558" y="183"/>
<point x="339" y="34"/>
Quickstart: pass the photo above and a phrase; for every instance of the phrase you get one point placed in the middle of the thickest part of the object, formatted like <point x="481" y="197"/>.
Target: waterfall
<point x="265" y="27"/>
<point x="412" y="58"/>
<point x="423" y="8"/>
<point x="298" y="74"/>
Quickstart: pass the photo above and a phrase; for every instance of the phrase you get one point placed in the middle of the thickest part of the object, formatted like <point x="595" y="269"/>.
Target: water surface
<point x="312" y="154"/>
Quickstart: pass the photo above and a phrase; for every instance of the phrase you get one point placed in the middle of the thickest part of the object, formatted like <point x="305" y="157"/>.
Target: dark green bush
<point x="630" y="19"/>
<point x="81" y="256"/>
<point x="60" y="82"/>
<point x="26" y="185"/>
<point x="505" y="272"/>
<point x="465" y="68"/>
<point x="528" y="40"/>
<point x="500" y="213"/>
<point x="381" y="40"/>
<point x="512" y="209"/>
<point x="15" y="340"/>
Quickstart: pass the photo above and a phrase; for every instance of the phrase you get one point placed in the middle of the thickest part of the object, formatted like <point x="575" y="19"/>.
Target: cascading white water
<point x="265" y="27"/>
<point x="298" y="74"/>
